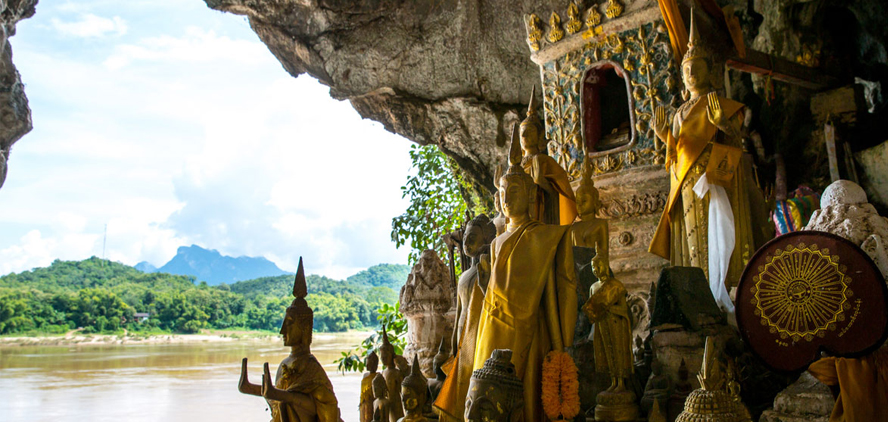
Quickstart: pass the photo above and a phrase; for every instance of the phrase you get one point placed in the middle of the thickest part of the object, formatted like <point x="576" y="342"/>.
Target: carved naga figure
<point x="301" y="391"/>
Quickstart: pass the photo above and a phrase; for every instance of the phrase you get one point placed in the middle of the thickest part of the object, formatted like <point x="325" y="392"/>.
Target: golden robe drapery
<point x="306" y="376"/>
<point x="560" y="208"/>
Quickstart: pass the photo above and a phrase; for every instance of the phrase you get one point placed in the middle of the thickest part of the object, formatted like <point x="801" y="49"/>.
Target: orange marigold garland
<point x="561" y="396"/>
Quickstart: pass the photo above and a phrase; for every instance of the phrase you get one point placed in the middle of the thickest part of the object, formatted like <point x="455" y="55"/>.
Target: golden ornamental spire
<point x="555" y="31"/>
<point x="533" y="25"/>
<point x="573" y="24"/>
<point x="695" y="46"/>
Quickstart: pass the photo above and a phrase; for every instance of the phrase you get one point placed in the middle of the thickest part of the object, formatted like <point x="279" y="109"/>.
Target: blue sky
<point x="174" y="125"/>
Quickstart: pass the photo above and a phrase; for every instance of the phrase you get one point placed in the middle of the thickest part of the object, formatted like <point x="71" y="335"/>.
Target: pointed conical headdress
<point x="695" y="45"/>
<point x="532" y="118"/>
<point x="415" y="380"/>
<point x="299" y="307"/>
<point x="442" y="347"/>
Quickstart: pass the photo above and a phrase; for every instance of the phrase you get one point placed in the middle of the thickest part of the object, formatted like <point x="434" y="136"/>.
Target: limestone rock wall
<point x="15" y="116"/>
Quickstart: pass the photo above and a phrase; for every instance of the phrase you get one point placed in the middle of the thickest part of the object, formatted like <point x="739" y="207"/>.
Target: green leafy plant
<point x="436" y="204"/>
<point x="396" y="328"/>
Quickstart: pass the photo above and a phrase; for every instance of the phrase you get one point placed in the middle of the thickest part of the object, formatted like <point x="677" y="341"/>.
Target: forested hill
<point x="100" y="295"/>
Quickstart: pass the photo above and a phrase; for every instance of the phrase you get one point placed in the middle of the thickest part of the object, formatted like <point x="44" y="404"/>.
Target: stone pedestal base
<point x="616" y="407"/>
<point x="807" y="400"/>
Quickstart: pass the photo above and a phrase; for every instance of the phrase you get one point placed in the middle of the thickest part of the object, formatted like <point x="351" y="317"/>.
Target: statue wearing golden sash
<point x="531" y="305"/>
<point x="711" y="219"/>
<point x="555" y="202"/>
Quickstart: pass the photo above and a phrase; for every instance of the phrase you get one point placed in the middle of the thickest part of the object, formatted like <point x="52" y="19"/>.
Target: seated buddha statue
<point x="414" y="394"/>
<point x="301" y="391"/>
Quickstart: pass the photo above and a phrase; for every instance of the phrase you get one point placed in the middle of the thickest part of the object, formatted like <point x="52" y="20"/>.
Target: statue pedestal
<point x="614" y="407"/>
<point x="806" y="400"/>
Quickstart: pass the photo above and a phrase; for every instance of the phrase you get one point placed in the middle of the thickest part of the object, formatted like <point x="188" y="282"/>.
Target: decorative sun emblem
<point x="801" y="292"/>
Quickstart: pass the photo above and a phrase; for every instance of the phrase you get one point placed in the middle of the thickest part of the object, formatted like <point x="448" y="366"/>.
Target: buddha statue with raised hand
<point x="301" y="391"/>
<point x="554" y="199"/>
<point x="712" y="193"/>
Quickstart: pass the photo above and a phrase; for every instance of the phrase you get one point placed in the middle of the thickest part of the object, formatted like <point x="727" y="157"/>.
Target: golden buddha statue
<point x="414" y="394"/>
<point x="393" y="374"/>
<point x="715" y="216"/>
<point x="301" y="391"/>
<point x="382" y="406"/>
<point x="712" y="401"/>
<point x="495" y="393"/>
<point x="608" y="311"/>
<point x="589" y="230"/>
<point x="366" y="403"/>
<point x="555" y="202"/>
<point x="531" y="305"/>
<point x="479" y="232"/>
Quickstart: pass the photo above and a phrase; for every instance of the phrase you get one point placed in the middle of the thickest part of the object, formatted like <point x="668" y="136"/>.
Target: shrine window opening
<point x="607" y="115"/>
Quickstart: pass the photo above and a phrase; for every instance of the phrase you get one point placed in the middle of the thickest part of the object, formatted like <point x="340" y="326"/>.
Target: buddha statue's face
<point x="387" y="355"/>
<point x="530" y="138"/>
<point x="293" y="331"/>
<point x="695" y="74"/>
<point x="473" y="240"/>
<point x="372" y="363"/>
<point x="600" y="268"/>
<point x="413" y="400"/>
<point x="587" y="201"/>
<point x="486" y="402"/>
<point x="515" y="197"/>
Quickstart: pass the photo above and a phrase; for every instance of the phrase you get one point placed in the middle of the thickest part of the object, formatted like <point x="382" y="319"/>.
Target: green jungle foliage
<point x="99" y="295"/>
<point x="436" y="204"/>
<point x="396" y="330"/>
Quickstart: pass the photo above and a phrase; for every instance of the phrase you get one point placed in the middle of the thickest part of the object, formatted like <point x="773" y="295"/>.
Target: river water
<point x="154" y="382"/>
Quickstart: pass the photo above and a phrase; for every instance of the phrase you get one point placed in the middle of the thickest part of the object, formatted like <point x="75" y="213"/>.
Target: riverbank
<point x="76" y="337"/>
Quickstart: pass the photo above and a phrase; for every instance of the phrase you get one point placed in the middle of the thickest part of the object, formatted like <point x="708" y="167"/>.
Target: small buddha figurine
<point x="554" y="198"/>
<point x="439" y="359"/>
<point x="392" y="373"/>
<point x="301" y="390"/>
<point x="366" y="404"/>
<point x="495" y="392"/>
<point x="700" y="129"/>
<point x="589" y="230"/>
<point x="608" y="311"/>
<point x="657" y="389"/>
<point x="414" y="394"/>
<point x="382" y="406"/>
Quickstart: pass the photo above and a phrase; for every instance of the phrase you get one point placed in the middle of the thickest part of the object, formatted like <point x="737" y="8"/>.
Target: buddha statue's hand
<point x="484" y="272"/>
<point x="269" y="391"/>
<point x="244" y="385"/>
<point x="715" y="114"/>
<point x="661" y="126"/>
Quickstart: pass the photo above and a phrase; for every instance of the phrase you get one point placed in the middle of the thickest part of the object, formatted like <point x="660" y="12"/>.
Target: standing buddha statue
<point x="554" y="198"/>
<point x="531" y="305"/>
<point x="589" y="230"/>
<point x="301" y="391"/>
<point x="608" y="311"/>
<point x="414" y="394"/>
<point x="714" y="217"/>
<point x="437" y="362"/>
<point x="470" y="290"/>
<point x="366" y="403"/>
<point x="382" y="406"/>
<point x="393" y="374"/>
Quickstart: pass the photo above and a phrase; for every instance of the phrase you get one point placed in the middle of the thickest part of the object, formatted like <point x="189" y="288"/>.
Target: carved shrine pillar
<point x="427" y="301"/>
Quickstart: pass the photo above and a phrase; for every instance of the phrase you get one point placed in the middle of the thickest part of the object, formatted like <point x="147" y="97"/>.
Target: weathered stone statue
<point x="608" y="311"/>
<point x="530" y="306"/>
<point x="555" y="202"/>
<point x="657" y="389"/>
<point x="414" y="394"/>
<point x="366" y="404"/>
<point x="382" y="406"/>
<point x="495" y="393"/>
<point x="715" y="214"/>
<point x="301" y="390"/>
<point x="427" y="303"/>
<point x="393" y="375"/>
<point x="436" y="383"/>
<point x="500" y="220"/>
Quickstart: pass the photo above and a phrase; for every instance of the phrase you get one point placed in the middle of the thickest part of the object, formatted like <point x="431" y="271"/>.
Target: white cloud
<point x="91" y="26"/>
<point x="198" y="45"/>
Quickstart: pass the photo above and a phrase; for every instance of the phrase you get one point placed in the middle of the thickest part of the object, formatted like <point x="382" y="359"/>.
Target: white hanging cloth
<point x="721" y="239"/>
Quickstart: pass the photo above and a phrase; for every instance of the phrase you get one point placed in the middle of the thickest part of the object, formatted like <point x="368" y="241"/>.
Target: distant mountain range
<point x="214" y="268"/>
